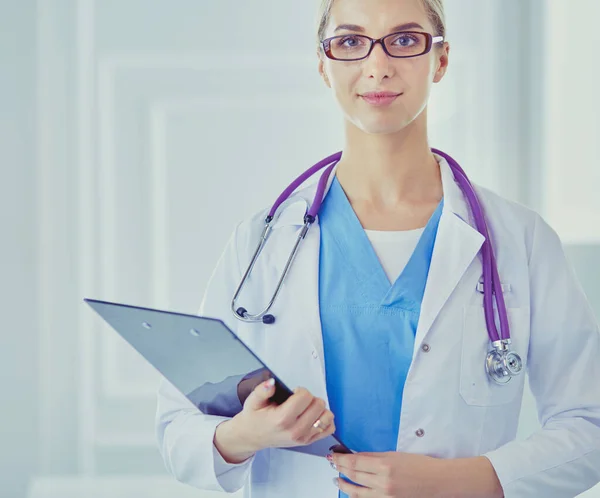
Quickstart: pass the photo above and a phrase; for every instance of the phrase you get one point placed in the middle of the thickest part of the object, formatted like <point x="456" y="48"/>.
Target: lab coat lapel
<point x="457" y="244"/>
<point x="301" y="289"/>
<point x="304" y="292"/>
<point x="309" y="261"/>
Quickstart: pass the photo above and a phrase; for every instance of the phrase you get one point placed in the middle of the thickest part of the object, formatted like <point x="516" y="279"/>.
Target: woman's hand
<point x="262" y="424"/>
<point x="406" y="475"/>
<point x="388" y="475"/>
<point x="246" y="386"/>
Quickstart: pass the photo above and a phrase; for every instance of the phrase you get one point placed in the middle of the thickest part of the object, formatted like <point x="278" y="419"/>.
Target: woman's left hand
<point x="388" y="475"/>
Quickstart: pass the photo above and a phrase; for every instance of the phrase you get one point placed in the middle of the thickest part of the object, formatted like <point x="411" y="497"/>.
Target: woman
<point x="381" y="318"/>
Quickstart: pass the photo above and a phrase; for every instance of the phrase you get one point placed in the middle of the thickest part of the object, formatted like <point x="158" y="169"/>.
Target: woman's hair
<point x="434" y="9"/>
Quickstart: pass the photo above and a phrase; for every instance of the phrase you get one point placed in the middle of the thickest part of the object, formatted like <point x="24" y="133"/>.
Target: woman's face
<point x="411" y="78"/>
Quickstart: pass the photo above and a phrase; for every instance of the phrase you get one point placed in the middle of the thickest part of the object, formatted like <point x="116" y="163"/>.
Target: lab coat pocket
<point x="476" y="387"/>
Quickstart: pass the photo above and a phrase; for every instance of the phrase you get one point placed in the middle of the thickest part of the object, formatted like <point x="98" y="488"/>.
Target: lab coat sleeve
<point x="184" y="434"/>
<point x="562" y="459"/>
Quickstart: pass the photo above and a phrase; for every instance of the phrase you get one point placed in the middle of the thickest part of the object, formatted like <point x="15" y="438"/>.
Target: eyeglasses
<point x="400" y="45"/>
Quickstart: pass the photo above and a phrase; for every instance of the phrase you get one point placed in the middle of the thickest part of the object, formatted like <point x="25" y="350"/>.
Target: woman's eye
<point x="405" y="40"/>
<point x="349" y="41"/>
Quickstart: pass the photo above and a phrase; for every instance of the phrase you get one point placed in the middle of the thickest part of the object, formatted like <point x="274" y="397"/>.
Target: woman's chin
<point x="382" y="128"/>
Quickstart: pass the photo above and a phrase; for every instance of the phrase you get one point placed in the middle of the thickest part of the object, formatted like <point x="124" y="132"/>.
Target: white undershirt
<point x="394" y="249"/>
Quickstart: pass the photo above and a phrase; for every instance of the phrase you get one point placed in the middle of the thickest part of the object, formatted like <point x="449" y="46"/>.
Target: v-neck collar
<point x="358" y="252"/>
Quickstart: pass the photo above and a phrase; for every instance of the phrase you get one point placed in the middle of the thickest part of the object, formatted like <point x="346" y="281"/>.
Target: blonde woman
<point x="386" y="318"/>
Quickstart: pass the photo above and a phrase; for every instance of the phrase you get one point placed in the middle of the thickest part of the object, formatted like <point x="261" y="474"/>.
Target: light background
<point x="135" y="134"/>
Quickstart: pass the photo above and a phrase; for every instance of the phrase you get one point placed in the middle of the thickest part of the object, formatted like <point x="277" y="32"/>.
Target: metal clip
<point x="505" y="287"/>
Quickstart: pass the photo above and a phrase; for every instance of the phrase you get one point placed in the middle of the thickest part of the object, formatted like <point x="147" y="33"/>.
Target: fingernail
<point x="269" y="384"/>
<point x="329" y="457"/>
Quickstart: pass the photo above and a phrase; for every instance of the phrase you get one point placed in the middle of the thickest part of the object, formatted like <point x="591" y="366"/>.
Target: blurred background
<point x="135" y="134"/>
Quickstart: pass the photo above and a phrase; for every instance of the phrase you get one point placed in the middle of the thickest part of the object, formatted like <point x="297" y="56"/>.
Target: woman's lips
<point x="380" y="98"/>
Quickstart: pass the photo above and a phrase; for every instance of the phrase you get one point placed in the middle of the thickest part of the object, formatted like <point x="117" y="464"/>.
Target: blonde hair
<point x="434" y="9"/>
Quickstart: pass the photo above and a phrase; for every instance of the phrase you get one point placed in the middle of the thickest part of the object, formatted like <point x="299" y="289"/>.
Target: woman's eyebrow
<point x="360" y="29"/>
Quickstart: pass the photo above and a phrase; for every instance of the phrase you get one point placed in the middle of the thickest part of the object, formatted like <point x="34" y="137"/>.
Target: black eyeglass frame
<point x="431" y="40"/>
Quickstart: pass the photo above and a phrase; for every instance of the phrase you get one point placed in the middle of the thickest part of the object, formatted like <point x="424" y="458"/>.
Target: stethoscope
<point x="501" y="362"/>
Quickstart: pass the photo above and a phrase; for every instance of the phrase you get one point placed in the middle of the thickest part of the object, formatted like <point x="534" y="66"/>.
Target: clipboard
<point x="203" y="359"/>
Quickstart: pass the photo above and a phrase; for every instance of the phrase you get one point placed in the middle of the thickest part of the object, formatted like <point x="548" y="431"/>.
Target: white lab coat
<point x="447" y="393"/>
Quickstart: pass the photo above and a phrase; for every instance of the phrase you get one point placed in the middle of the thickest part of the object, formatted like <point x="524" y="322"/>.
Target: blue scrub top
<point x="368" y="324"/>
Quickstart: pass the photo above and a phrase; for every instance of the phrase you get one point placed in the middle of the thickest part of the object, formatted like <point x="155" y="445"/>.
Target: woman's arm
<point x="469" y="478"/>
<point x="185" y="435"/>
<point x="562" y="459"/>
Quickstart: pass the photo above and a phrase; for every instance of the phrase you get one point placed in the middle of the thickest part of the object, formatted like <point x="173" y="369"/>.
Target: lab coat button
<point x="315" y="355"/>
<point x="420" y="432"/>
<point x="425" y="347"/>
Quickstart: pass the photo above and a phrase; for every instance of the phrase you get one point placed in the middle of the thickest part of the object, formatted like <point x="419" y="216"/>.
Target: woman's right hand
<point x="262" y="424"/>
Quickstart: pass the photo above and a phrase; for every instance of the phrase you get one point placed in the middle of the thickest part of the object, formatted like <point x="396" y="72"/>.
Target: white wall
<point x="18" y="259"/>
<point x="572" y="126"/>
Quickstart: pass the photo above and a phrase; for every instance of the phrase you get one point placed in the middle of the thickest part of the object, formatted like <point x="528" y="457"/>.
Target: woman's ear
<point x="442" y="63"/>
<point x="322" y="69"/>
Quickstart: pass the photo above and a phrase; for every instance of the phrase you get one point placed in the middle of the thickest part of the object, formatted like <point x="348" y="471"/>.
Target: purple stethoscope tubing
<point x="491" y="279"/>
<point x="501" y="363"/>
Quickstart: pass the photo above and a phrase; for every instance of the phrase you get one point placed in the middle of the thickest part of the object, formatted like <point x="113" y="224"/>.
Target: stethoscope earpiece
<point x="267" y="319"/>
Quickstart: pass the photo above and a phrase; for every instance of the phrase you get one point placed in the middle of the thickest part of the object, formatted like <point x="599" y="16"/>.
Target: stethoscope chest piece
<point x="501" y="363"/>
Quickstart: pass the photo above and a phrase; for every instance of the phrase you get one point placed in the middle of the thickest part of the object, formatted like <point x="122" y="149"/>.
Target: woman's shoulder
<point x="504" y="207"/>
<point x="290" y="213"/>
<point x="515" y="220"/>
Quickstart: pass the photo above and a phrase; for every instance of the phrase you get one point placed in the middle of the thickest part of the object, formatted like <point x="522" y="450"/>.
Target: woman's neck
<point x="389" y="171"/>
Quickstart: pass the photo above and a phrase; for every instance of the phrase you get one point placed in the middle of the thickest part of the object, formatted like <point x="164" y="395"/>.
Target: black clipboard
<point x="203" y="359"/>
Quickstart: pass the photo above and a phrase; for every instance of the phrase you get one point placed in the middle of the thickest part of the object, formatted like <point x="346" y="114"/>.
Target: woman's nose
<point x="378" y="64"/>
